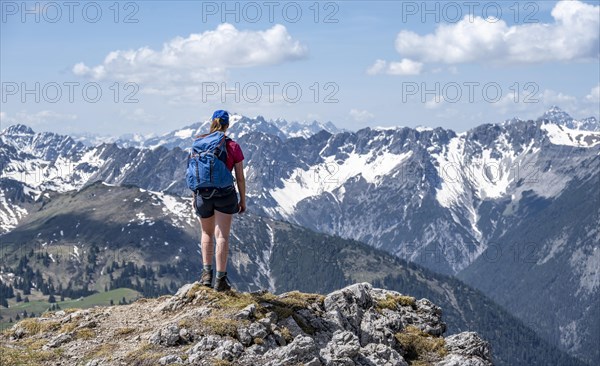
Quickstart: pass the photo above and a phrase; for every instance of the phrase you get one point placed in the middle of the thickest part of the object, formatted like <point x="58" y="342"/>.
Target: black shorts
<point x="208" y="200"/>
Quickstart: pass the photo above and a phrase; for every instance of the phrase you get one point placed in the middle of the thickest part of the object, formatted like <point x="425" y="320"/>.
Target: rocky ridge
<point x="357" y="325"/>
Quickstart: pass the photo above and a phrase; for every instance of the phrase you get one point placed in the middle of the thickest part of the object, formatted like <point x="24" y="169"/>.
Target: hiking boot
<point x="221" y="284"/>
<point x="207" y="277"/>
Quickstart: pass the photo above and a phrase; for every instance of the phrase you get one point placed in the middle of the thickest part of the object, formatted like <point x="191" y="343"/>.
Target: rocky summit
<point x="357" y="325"/>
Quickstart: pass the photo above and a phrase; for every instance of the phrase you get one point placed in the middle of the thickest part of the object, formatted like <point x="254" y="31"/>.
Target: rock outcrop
<point x="357" y="325"/>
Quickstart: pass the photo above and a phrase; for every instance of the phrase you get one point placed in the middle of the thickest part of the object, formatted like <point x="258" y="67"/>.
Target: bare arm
<point x="241" y="183"/>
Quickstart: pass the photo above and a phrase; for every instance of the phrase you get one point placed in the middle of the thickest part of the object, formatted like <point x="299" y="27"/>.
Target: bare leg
<point x="222" y="229"/>
<point x="208" y="232"/>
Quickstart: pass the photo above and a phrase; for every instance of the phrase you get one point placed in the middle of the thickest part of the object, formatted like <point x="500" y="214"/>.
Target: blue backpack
<point x="206" y="163"/>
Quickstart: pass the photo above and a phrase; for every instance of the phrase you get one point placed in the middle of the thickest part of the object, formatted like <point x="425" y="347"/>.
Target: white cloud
<point x="435" y="102"/>
<point x="404" y="67"/>
<point x="594" y="95"/>
<point x="361" y="115"/>
<point x="534" y="105"/>
<point x="551" y="97"/>
<point x="572" y="36"/>
<point x="377" y="68"/>
<point x="36" y="118"/>
<point x="199" y="57"/>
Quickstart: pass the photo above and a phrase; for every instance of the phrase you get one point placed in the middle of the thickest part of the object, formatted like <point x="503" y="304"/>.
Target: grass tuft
<point x="103" y="351"/>
<point x="124" y="331"/>
<point x="420" y="348"/>
<point x="26" y="356"/>
<point x="144" y="355"/>
<point x="34" y="326"/>
<point x="286" y="334"/>
<point x="85" y="333"/>
<point x="68" y="327"/>
<point x="221" y="326"/>
<point x="393" y="302"/>
<point x="286" y="305"/>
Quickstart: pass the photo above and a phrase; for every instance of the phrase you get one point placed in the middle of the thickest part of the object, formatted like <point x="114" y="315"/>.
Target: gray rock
<point x="381" y="355"/>
<point x="270" y="342"/>
<point x="87" y="324"/>
<point x="170" y="359"/>
<point x="228" y="350"/>
<point x="458" y="360"/>
<point x="244" y="336"/>
<point x="267" y="323"/>
<point x="379" y="328"/>
<point x="257" y="330"/>
<point x="207" y="343"/>
<point x="344" y="345"/>
<point x="292" y="326"/>
<point x="178" y="300"/>
<point x="345" y="307"/>
<point x="59" y="340"/>
<point x="203" y="348"/>
<point x="301" y="349"/>
<point x="183" y="290"/>
<point x="431" y="316"/>
<point x="315" y="320"/>
<point x="246" y="313"/>
<point x="94" y="362"/>
<point x="255" y="350"/>
<point x="168" y="336"/>
<point x="466" y="348"/>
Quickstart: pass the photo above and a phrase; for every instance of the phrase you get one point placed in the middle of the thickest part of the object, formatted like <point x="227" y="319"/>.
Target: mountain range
<point x="510" y="198"/>
<point x="181" y="137"/>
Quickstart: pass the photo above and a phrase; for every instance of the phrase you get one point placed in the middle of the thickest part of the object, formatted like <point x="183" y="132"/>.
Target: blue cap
<point x="222" y="115"/>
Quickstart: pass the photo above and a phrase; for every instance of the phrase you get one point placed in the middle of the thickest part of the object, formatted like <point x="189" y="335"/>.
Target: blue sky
<point x="355" y="63"/>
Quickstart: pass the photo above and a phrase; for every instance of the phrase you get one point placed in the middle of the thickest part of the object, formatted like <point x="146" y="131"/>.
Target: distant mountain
<point x="550" y="260"/>
<point x="560" y="117"/>
<point x="306" y="130"/>
<point x="239" y="126"/>
<point x="103" y="237"/>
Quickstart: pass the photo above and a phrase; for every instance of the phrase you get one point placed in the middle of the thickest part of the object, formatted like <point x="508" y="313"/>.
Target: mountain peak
<point x="357" y="325"/>
<point x="555" y="109"/>
<point x="556" y="114"/>
<point x="18" y="129"/>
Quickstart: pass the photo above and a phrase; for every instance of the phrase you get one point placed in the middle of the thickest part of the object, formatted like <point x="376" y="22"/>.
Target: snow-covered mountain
<point x="560" y="117"/>
<point x="298" y="129"/>
<point x="432" y="196"/>
<point x="239" y="126"/>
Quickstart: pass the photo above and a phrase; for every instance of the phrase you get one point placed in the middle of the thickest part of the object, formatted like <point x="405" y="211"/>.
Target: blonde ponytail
<point x="217" y="126"/>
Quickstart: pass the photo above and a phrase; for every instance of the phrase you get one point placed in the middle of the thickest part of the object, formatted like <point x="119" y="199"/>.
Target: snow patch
<point x="185" y="133"/>
<point x="330" y="174"/>
<point x="561" y="135"/>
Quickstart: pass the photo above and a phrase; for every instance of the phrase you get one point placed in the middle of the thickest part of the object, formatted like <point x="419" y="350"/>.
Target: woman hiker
<point x="215" y="206"/>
